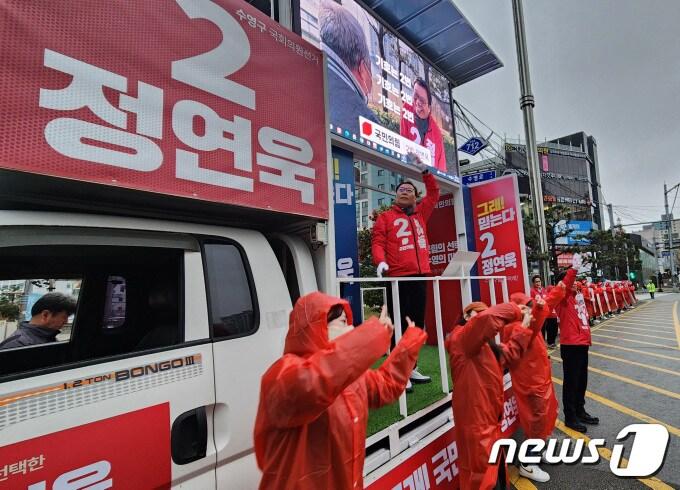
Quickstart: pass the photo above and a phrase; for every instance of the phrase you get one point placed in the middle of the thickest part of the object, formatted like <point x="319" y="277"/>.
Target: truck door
<point x="124" y="394"/>
<point x="249" y="308"/>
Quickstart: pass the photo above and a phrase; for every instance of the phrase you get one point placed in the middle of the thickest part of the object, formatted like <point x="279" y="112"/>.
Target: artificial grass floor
<point x="422" y="396"/>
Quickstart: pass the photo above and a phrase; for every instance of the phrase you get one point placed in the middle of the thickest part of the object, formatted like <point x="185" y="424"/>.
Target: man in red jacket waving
<point x="574" y="344"/>
<point x="401" y="249"/>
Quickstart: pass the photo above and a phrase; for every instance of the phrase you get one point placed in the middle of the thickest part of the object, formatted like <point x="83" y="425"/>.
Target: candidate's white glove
<point x="576" y="262"/>
<point x="382" y="268"/>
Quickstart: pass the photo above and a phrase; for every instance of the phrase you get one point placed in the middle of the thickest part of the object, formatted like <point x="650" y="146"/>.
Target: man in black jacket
<point x="48" y="316"/>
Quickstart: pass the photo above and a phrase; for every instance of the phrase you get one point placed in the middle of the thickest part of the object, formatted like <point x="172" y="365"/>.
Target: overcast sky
<point x="610" y="68"/>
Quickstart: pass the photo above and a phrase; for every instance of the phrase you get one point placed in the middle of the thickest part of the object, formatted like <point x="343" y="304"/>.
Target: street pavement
<point x="633" y="377"/>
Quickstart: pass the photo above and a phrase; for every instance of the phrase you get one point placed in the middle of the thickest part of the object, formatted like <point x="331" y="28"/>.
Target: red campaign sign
<point x="132" y="449"/>
<point x="434" y="466"/>
<point x="441" y="233"/>
<point x="208" y="100"/>
<point x="499" y="236"/>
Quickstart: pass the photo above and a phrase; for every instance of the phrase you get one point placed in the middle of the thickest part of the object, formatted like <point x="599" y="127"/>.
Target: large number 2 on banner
<point x="488" y="250"/>
<point x="208" y="71"/>
<point x="403" y="231"/>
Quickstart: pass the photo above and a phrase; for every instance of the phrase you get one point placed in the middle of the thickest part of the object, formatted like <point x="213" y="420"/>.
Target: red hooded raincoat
<point x="310" y="430"/>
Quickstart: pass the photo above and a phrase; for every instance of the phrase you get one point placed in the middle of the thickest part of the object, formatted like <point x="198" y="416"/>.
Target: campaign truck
<point x="168" y="165"/>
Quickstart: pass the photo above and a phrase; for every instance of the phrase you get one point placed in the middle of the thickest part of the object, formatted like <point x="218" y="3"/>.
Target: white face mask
<point x="338" y="327"/>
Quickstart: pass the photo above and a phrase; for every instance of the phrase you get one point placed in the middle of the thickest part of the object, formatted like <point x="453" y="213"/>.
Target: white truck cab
<point x="201" y="313"/>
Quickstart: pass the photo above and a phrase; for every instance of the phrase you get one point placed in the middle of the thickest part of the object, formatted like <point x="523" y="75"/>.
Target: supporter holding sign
<point x="574" y="344"/>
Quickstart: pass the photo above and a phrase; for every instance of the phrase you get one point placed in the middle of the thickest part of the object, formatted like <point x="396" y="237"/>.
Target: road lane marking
<point x="640" y="329"/>
<point x="676" y="322"/>
<point x="638" y="334"/>
<point x="667" y="324"/>
<point x="651" y="482"/>
<point x="637" y="351"/>
<point x="629" y="381"/>
<point x="637" y="341"/>
<point x="633" y="363"/>
<point x="628" y="411"/>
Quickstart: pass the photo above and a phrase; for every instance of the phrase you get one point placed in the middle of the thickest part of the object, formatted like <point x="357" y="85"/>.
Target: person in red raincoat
<point x="575" y="342"/>
<point x="602" y="297"/>
<point x="588" y="297"/>
<point x="609" y="291"/>
<point x="532" y="374"/>
<point x="618" y="293"/>
<point x="310" y="429"/>
<point x="631" y="288"/>
<point x="477" y="373"/>
<point x="550" y="326"/>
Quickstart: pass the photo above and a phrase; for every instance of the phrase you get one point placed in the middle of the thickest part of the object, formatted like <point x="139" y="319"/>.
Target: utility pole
<point x="611" y="228"/>
<point x="669" y="230"/>
<point x="526" y="103"/>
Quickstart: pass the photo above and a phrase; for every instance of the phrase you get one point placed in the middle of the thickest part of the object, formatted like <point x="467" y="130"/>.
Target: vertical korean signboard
<point x="207" y="100"/>
<point x="345" y="219"/>
<point x="499" y="236"/>
<point x="441" y="232"/>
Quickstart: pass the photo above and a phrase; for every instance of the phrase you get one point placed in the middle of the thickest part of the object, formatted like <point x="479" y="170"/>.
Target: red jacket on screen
<point x="433" y="139"/>
<point x="401" y="240"/>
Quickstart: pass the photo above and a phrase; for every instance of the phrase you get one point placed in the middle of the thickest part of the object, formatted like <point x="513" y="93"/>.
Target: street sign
<point x="666" y="253"/>
<point x="479" y="177"/>
<point x="474" y="145"/>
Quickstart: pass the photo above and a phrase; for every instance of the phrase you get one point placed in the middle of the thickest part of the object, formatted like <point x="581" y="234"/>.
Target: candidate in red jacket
<point x="310" y="429"/>
<point x="477" y="372"/>
<point x="574" y="344"/>
<point x="424" y="129"/>
<point x="401" y="249"/>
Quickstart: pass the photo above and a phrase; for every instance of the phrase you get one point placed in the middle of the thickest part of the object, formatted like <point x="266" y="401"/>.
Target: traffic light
<point x="632" y="276"/>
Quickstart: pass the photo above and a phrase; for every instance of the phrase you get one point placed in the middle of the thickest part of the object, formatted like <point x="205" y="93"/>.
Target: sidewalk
<point x="645" y="296"/>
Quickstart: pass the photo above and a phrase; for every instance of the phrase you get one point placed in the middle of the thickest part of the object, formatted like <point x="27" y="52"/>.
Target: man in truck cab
<point x="401" y="249"/>
<point x="48" y="316"/>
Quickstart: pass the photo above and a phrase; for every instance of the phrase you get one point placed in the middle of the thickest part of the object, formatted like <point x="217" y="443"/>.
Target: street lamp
<point x="527" y="105"/>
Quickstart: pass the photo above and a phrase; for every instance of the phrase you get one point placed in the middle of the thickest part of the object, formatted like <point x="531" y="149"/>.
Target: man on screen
<point x="350" y="79"/>
<point x="424" y="129"/>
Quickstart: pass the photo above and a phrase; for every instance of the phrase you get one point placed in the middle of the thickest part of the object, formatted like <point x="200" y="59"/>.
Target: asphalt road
<point x="633" y="378"/>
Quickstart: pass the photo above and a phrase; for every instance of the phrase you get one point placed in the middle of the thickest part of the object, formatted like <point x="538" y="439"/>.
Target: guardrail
<point x="439" y="328"/>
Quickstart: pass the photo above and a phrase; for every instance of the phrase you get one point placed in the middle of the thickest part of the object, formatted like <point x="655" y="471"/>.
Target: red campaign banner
<point x="441" y="233"/>
<point x="126" y="451"/>
<point x="207" y="100"/>
<point x="434" y="467"/>
<point x="499" y="236"/>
